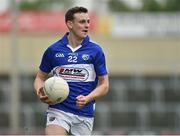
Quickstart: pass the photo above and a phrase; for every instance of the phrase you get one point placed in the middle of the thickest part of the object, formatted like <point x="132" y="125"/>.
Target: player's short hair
<point x="69" y="16"/>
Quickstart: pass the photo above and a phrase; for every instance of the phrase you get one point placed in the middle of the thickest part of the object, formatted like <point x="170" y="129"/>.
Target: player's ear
<point x="69" y="24"/>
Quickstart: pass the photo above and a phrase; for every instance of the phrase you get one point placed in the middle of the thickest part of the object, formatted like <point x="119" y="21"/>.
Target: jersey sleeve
<point x="100" y="63"/>
<point x="45" y="64"/>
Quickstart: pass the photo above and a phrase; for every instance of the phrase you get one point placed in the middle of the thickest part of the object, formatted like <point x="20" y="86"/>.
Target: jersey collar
<point x="65" y="40"/>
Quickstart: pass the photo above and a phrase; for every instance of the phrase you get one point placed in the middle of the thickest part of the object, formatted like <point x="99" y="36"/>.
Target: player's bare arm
<point x="38" y="86"/>
<point x="99" y="91"/>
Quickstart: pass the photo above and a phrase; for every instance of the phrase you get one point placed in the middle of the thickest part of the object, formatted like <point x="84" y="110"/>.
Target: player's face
<point x="80" y="25"/>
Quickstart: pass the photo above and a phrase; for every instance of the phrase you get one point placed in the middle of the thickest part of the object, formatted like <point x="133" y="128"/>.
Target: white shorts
<point x="74" y="124"/>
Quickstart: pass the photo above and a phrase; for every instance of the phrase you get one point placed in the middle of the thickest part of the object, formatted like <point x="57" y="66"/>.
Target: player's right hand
<point x="43" y="97"/>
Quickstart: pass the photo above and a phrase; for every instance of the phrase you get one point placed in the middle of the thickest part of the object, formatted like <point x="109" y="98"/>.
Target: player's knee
<point x="55" y="130"/>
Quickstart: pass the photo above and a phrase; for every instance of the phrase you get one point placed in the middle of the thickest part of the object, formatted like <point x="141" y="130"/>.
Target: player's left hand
<point x="81" y="101"/>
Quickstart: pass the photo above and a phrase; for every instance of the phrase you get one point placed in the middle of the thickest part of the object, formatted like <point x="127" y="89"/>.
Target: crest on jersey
<point x="85" y="56"/>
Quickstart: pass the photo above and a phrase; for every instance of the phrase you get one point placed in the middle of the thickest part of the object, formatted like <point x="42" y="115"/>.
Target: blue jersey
<point x="80" y="67"/>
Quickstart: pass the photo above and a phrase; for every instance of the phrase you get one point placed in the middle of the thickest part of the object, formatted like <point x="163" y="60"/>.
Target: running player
<point x="81" y="62"/>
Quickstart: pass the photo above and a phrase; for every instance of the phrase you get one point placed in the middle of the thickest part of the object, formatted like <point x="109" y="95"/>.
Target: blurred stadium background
<point x="141" y="39"/>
